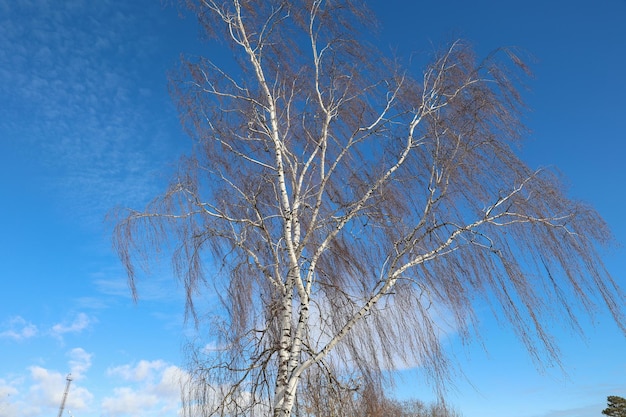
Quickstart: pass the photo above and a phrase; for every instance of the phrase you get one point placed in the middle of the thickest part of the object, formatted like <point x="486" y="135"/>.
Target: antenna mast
<point x="67" y="389"/>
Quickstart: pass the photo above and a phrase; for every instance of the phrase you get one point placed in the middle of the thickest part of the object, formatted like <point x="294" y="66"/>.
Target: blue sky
<point x="86" y="124"/>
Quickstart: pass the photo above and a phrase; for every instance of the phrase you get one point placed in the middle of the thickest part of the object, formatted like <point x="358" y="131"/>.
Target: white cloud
<point x="7" y="392"/>
<point x="154" y="389"/>
<point x="48" y="386"/>
<point x="79" y="363"/>
<point x="6" y="389"/>
<point x="46" y="391"/>
<point x="143" y="388"/>
<point x="171" y="379"/>
<point x="80" y="323"/>
<point x="39" y="392"/>
<point x="19" y="329"/>
<point x="142" y="371"/>
<point x="126" y="400"/>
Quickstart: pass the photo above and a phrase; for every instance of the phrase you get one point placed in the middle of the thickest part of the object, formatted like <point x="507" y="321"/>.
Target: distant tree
<point x="319" y="398"/>
<point x="616" y="406"/>
<point x="340" y="206"/>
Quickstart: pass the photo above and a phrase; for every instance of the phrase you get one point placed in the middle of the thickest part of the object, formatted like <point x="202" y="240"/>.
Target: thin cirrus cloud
<point x="73" y="85"/>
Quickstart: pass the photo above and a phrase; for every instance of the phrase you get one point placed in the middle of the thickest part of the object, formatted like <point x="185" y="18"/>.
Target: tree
<point x="616" y="406"/>
<point x="325" y="401"/>
<point x="344" y="207"/>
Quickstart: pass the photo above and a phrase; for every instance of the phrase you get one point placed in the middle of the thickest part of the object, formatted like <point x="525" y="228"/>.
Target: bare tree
<point x="318" y="397"/>
<point x="343" y="209"/>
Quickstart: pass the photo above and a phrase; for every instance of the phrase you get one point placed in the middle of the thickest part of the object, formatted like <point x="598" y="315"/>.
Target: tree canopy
<point x="346" y="210"/>
<point x="616" y="406"/>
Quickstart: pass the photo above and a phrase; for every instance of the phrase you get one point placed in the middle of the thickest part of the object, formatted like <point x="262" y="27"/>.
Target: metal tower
<point x="67" y="389"/>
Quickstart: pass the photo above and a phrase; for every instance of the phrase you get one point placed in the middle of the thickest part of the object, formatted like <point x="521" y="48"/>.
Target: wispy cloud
<point x="18" y="329"/>
<point x="80" y="323"/>
<point x="161" y="287"/>
<point x="583" y="411"/>
<point x="92" y="303"/>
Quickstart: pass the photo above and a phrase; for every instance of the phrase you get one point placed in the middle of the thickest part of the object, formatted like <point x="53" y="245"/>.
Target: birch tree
<point x="343" y="207"/>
